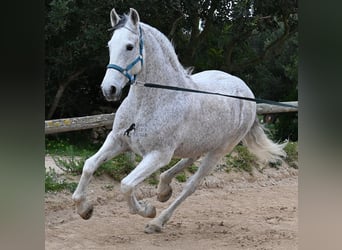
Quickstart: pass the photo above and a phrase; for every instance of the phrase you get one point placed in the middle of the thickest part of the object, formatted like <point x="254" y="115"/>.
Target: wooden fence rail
<point x="87" y="122"/>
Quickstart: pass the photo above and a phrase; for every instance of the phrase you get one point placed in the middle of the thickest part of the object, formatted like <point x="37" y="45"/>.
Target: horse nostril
<point x="112" y="90"/>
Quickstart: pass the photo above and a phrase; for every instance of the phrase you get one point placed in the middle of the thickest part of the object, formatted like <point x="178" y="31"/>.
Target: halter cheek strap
<point x="125" y="71"/>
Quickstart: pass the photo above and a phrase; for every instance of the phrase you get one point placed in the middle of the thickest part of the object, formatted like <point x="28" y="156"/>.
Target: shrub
<point x="117" y="168"/>
<point x="181" y="177"/>
<point x="54" y="184"/>
<point x="291" y="150"/>
<point x="70" y="164"/>
<point x="241" y="159"/>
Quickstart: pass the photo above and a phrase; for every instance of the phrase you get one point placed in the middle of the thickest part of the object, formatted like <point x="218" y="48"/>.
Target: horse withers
<point x="160" y="124"/>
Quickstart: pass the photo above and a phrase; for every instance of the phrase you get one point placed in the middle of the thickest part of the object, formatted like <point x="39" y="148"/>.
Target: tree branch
<point x="174" y="27"/>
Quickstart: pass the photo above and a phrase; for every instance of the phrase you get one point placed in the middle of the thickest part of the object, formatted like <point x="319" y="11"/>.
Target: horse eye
<point x="129" y="47"/>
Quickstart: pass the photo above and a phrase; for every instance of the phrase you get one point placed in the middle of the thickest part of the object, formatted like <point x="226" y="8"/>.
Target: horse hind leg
<point x="206" y="166"/>
<point x="110" y="148"/>
<point x="164" y="189"/>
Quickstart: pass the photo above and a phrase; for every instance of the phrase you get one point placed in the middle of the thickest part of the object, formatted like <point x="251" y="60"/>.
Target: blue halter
<point x="124" y="71"/>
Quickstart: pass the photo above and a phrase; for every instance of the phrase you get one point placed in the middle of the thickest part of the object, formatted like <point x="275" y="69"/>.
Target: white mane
<point x="150" y="34"/>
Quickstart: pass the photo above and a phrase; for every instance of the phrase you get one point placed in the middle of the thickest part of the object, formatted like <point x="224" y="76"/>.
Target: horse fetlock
<point x="164" y="178"/>
<point x="153" y="226"/>
<point x="78" y="198"/>
<point x="126" y="188"/>
<point x="147" y="210"/>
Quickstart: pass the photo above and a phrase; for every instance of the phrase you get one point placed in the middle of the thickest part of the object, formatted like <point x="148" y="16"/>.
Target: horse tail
<point x="259" y="144"/>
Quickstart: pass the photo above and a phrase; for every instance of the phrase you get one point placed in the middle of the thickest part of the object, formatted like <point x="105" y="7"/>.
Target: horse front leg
<point x="110" y="148"/>
<point x="206" y="166"/>
<point x="164" y="188"/>
<point x="149" y="164"/>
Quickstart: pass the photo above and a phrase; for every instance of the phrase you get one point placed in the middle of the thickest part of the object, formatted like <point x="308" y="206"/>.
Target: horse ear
<point x="114" y="17"/>
<point x="133" y="14"/>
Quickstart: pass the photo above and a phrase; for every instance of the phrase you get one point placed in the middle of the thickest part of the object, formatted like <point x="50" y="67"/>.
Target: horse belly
<point x="208" y="138"/>
<point x="215" y="127"/>
<point x="188" y="150"/>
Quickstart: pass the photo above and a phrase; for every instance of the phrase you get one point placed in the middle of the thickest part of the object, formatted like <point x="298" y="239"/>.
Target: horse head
<point x="125" y="54"/>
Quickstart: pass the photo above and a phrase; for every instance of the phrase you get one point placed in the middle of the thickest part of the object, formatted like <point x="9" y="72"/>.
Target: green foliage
<point x="154" y="178"/>
<point x="67" y="156"/>
<point x="72" y="165"/>
<point x="70" y="158"/>
<point x="60" y="9"/>
<point x="192" y="169"/>
<point x="276" y="164"/>
<point x="53" y="183"/>
<point x="56" y="146"/>
<point x="241" y="160"/>
<point x="181" y="177"/>
<point x="75" y="42"/>
<point x="67" y="147"/>
<point x="283" y="127"/>
<point x="291" y="150"/>
<point x="118" y="168"/>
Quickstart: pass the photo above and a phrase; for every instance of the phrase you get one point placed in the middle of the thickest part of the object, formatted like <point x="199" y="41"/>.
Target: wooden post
<point x="87" y="122"/>
<point x="263" y="108"/>
<point x="78" y="123"/>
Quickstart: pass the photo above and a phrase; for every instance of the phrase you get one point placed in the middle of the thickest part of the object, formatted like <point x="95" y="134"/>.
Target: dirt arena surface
<point x="228" y="211"/>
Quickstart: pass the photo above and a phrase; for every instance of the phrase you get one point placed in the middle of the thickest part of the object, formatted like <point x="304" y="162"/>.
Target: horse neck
<point x="161" y="64"/>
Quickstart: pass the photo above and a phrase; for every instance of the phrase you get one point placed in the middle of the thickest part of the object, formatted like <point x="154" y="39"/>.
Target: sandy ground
<point x="229" y="211"/>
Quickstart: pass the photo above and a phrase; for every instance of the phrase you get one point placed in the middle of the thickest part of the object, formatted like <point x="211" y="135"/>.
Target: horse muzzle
<point x="112" y="93"/>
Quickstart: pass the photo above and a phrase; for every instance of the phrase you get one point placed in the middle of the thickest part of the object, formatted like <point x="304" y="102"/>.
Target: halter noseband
<point x="124" y="71"/>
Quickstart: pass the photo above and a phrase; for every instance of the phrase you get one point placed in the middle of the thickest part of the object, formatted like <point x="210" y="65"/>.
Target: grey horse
<point x="160" y="124"/>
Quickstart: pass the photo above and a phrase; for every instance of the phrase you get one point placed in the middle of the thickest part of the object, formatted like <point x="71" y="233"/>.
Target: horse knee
<point x="88" y="168"/>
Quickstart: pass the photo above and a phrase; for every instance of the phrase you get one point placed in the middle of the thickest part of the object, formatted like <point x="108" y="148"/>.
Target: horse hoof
<point x="152" y="228"/>
<point x="164" y="197"/>
<point x="150" y="211"/>
<point x="88" y="213"/>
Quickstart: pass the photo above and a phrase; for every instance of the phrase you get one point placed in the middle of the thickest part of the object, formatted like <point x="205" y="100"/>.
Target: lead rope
<point x="175" y="88"/>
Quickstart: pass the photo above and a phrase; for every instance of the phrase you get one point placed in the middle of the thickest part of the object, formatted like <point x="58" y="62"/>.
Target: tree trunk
<point x="61" y="90"/>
